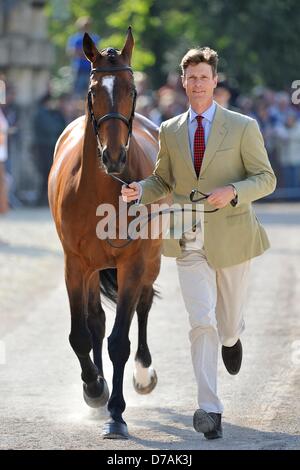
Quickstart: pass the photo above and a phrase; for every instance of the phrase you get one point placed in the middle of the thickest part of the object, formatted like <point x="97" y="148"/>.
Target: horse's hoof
<point x="144" y="389"/>
<point x="96" y="394"/>
<point x="115" y="430"/>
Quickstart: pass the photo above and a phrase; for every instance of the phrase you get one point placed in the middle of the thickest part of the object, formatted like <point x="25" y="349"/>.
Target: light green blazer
<point x="234" y="153"/>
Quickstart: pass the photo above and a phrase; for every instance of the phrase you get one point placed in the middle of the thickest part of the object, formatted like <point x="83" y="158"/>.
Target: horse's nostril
<point x="113" y="165"/>
<point x="123" y="156"/>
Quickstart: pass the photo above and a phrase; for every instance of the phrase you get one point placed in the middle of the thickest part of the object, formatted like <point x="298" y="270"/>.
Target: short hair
<point x="201" y="54"/>
<point x="83" y="21"/>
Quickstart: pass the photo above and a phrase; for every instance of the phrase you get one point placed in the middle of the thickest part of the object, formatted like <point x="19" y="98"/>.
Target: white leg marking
<point x="143" y="375"/>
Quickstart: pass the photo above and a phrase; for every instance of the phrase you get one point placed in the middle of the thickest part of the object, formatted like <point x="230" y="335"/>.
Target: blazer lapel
<point x="182" y="137"/>
<point x="217" y="133"/>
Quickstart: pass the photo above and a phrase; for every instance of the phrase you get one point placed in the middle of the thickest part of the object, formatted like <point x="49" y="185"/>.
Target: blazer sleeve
<point x="161" y="182"/>
<point x="260" y="180"/>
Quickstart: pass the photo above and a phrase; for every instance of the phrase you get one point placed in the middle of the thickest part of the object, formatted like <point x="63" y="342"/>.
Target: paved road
<point x="40" y="389"/>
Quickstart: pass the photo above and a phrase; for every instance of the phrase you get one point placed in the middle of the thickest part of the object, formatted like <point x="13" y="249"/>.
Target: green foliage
<point x="257" y="41"/>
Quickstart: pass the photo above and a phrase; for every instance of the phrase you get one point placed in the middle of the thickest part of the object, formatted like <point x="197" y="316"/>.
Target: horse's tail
<point x="109" y="284"/>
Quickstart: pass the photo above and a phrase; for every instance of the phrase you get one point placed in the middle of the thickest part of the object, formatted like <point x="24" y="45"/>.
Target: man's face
<point x="199" y="83"/>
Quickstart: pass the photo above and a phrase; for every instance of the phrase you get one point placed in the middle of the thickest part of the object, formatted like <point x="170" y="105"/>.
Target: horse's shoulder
<point x="142" y="123"/>
<point x="72" y="133"/>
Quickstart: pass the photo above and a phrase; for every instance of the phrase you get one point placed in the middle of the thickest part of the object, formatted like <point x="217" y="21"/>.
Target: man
<point x="222" y="153"/>
<point x="81" y="67"/>
<point x="48" y="124"/>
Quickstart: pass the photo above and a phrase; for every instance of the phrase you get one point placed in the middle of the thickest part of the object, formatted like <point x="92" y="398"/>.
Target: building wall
<point x="26" y="55"/>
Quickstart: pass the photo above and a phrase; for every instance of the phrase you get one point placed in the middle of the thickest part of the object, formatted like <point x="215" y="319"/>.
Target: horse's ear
<point x="90" y="50"/>
<point x="128" y="47"/>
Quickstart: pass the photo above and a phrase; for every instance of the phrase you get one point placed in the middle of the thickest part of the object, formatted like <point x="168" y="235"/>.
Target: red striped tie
<point x="199" y="145"/>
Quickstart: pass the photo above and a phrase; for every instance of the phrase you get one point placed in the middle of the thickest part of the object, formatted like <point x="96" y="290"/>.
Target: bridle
<point x="97" y="122"/>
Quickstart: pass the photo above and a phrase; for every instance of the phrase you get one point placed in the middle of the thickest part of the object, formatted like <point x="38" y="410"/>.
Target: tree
<point x="256" y="41"/>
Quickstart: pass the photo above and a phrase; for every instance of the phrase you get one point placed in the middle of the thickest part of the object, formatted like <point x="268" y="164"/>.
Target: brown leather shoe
<point x="208" y="423"/>
<point x="232" y="357"/>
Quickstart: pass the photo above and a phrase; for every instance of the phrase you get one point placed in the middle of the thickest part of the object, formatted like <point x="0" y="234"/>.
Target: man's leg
<point x="198" y="285"/>
<point x="232" y="288"/>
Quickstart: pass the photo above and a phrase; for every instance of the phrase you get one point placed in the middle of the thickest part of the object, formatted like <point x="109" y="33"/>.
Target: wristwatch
<point x="234" y="201"/>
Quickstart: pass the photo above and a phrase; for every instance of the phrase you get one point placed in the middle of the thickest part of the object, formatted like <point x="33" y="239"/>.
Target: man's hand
<point x="220" y="197"/>
<point x="131" y="193"/>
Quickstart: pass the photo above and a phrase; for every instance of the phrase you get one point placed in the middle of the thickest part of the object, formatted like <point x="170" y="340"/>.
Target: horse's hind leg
<point x="80" y="336"/>
<point x="144" y="376"/>
<point x="96" y="324"/>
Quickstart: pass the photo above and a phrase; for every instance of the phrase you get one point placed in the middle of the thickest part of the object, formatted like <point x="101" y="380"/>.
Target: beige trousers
<point x="214" y="300"/>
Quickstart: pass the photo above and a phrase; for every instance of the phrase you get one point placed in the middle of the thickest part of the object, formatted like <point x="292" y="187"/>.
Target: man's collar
<point x="207" y="114"/>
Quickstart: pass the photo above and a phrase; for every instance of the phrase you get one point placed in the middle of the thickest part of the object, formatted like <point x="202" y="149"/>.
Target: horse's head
<point x="111" y="100"/>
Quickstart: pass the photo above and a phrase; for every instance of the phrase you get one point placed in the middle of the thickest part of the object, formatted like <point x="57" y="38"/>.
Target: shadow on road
<point x="181" y="435"/>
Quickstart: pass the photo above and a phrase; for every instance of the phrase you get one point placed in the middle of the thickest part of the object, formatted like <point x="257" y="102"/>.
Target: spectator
<point x="245" y="105"/>
<point x="67" y="106"/>
<point x="222" y="94"/>
<point x="3" y="158"/>
<point x="48" y="124"/>
<point x="282" y="108"/>
<point x="80" y="65"/>
<point x="146" y="106"/>
<point x="11" y="112"/>
<point x="265" y="123"/>
<point x="141" y="81"/>
<point x="288" y="142"/>
<point x="171" y="97"/>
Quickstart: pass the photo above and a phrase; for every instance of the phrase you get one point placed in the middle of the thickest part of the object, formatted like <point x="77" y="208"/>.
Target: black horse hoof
<point x="115" y="430"/>
<point x="144" y="390"/>
<point x="96" y="394"/>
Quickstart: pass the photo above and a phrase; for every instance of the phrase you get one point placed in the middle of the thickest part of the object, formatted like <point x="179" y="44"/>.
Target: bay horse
<point x="108" y="141"/>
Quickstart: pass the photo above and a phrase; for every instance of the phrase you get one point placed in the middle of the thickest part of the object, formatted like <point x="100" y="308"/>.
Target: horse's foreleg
<point x="144" y="376"/>
<point x="80" y="336"/>
<point x="96" y="321"/>
<point x="119" y="349"/>
<point x="94" y="394"/>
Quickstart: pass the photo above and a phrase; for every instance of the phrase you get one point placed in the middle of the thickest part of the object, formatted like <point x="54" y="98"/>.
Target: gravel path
<point x="41" y="404"/>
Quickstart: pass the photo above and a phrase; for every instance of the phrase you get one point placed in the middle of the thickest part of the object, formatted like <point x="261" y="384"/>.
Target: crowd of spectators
<point x="277" y="116"/>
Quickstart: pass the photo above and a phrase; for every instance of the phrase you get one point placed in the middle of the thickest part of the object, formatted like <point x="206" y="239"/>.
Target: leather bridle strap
<point x="113" y="116"/>
<point x="97" y="122"/>
<point x="202" y="198"/>
<point x="119" y="68"/>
